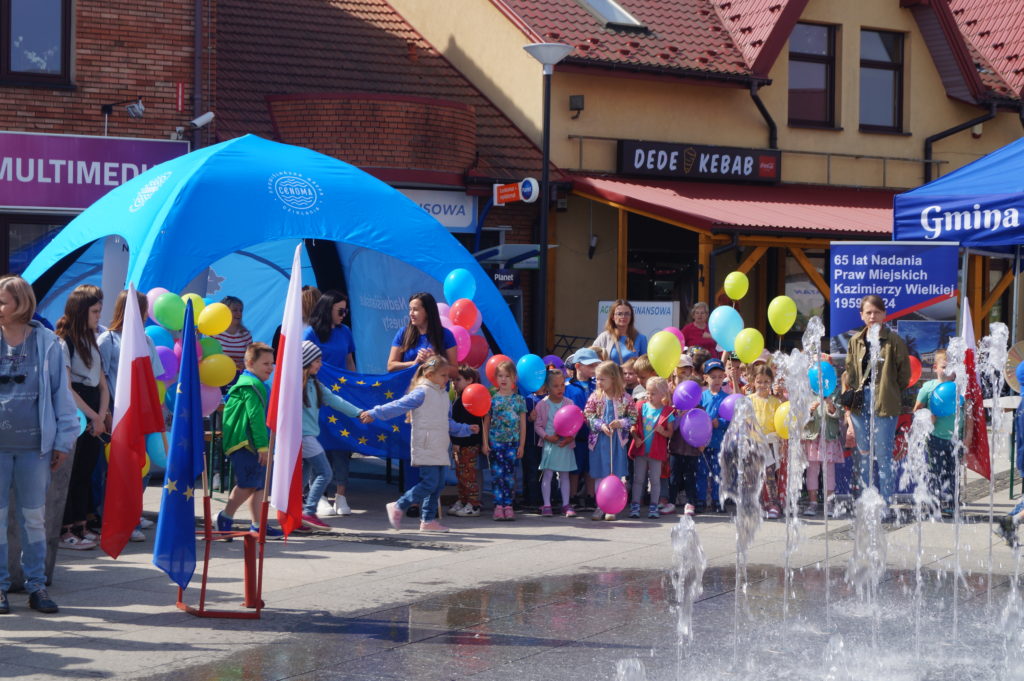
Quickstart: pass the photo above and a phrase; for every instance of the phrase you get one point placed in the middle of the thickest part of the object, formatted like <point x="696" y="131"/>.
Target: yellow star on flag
<point x="343" y="432"/>
<point x="382" y="437"/>
<point x="188" y="492"/>
<point x="171" y="486"/>
<point x="362" y="440"/>
<point x="343" y="380"/>
<point x="360" y="382"/>
<point x="388" y="395"/>
<point x="332" y="419"/>
<point x="395" y="428"/>
<point x="377" y="384"/>
<point x="335" y="387"/>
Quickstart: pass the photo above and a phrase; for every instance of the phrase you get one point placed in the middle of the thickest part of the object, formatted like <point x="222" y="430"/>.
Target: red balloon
<point x="478" y="350"/>
<point x="915" y="371"/>
<point x="492" y="367"/>
<point x="463" y="313"/>
<point x="476" y="399"/>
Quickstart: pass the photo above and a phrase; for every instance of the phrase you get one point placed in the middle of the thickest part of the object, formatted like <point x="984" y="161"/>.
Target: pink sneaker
<point x="394" y="515"/>
<point x="688" y="510"/>
<point x="499" y="513"/>
<point x="545" y="511"/>
<point x="311" y="521"/>
<point x="568" y="511"/>
<point x="509" y="513"/>
<point x="433" y="526"/>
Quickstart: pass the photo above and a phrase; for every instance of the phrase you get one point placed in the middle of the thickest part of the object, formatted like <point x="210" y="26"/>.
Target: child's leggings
<point x="465" y="471"/>
<point x="813" y="469"/>
<point x="708" y="467"/>
<point x="545" y="485"/>
<point x="503" y="471"/>
<point x="644" y="468"/>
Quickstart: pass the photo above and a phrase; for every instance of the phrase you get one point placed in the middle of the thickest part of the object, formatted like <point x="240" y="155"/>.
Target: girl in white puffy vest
<point x="429" y="412"/>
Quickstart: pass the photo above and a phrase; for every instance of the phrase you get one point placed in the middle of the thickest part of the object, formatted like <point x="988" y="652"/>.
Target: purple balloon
<point x="727" y="409"/>
<point x="696" y="428"/>
<point x="170" y="362"/>
<point x="687" y="395"/>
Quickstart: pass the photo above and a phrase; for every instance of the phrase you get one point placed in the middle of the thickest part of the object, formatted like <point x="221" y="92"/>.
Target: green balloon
<point x="169" y="311"/>
<point x="210" y="346"/>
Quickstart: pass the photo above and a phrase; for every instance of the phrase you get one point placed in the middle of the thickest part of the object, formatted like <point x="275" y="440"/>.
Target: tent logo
<point x="298" y="194"/>
<point x="147" y="191"/>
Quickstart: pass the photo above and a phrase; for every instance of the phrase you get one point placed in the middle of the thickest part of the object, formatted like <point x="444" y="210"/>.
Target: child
<point x="429" y="412"/>
<point x="247" y="439"/>
<point x="557" y="453"/>
<point x="629" y="376"/>
<point x="825" y="414"/>
<point x="655" y="424"/>
<point x="644" y="372"/>
<point x="314" y="460"/>
<point x="504" y="430"/>
<point x="683" y="372"/>
<point x="734" y="383"/>
<point x="707" y="465"/>
<point x="610" y="413"/>
<point x="941" y="462"/>
<point x="466" y="449"/>
<point x="765" y="404"/>
<point x="684" y="458"/>
<point x="579" y="391"/>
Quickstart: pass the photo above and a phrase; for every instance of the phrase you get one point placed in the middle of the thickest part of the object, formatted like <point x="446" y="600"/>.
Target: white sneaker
<point x="137" y="535"/>
<point x="811" y="510"/>
<point x="666" y="508"/>
<point x="145" y="523"/>
<point x="455" y="508"/>
<point x="468" y="511"/>
<point x="325" y="507"/>
<point x="70" y="540"/>
<point x="341" y="506"/>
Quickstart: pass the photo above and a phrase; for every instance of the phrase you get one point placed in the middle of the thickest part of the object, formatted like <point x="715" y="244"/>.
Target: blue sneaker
<point x="225" y="524"/>
<point x="272" y="532"/>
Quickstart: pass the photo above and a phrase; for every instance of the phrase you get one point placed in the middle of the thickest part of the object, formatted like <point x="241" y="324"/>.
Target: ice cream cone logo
<point x="689" y="156"/>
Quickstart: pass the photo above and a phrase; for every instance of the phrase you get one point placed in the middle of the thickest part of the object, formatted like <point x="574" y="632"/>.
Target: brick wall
<point x="120" y="49"/>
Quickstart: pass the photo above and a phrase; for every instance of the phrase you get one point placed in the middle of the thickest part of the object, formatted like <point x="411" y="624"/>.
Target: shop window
<point x="35" y="37"/>
<point x="812" y="71"/>
<point x="22" y="237"/>
<point x="881" y="81"/>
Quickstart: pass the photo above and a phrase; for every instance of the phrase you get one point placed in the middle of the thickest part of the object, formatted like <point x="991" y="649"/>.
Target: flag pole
<point x="264" y="512"/>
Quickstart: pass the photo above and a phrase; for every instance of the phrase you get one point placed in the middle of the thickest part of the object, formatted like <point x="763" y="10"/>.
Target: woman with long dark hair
<point x="38" y="425"/>
<point x="424" y="336"/>
<point x="328" y="332"/>
<point x="77" y="328"/>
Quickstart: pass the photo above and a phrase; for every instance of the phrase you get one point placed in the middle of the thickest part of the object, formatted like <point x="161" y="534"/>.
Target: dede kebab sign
<point x="910" y="277"/>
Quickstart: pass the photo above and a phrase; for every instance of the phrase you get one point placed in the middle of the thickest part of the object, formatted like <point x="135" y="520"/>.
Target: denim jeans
<point x="317" y="473"/>
<point x="426" y="492"/>
<point x="884" y="440"/>
<point x="29" y="472"/>
<point x="339" y="460"/>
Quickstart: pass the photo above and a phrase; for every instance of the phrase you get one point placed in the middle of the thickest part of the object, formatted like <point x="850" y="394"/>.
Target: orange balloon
<point x="915" y="371"/>
<point x="476" y="399"/>
<point x="463" y="313"/>
<point x="491" y="367"/>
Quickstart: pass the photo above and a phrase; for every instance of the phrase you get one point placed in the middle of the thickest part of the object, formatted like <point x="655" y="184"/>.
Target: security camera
<point x="135" y="109"/>
<point x="202" y="121"/>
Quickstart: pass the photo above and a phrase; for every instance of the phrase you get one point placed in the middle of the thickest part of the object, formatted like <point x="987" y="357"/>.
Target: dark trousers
<point x="88" y="449"/>
<point x="531" y="474"/>
<point x="684" y="477"/>
<point x="942" y="465"/>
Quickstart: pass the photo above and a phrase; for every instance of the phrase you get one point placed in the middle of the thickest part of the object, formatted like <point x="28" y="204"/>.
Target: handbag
<point x="851" y="399"/>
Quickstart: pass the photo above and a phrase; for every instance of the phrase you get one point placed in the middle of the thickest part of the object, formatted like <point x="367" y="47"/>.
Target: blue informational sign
<point x="912" y="278"/>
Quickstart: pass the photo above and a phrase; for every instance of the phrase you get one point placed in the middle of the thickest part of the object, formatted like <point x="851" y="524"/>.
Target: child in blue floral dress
<point x="504" y="437"/>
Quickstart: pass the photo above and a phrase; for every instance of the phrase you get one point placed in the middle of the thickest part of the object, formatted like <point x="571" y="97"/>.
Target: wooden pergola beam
<point x="748" y="264"/>
<point x="994" y="295"/>
<point x="622" y="256"/>
<point x="813" y="274"/>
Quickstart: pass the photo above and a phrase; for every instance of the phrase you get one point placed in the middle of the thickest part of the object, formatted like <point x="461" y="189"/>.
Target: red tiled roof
<point x="760" y="27"/>
<point x="683" y="36"/>
<point x="995" y="28"/>
<point x="303" y="46"/>
<point x="791" y="209"/>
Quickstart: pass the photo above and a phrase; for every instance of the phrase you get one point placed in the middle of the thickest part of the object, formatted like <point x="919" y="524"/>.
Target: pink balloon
<point x="678" y="334"/>
<point x="447" y="323"/>
<point x="477" y="324"/>
<point x="153" y="294"/>
<point x="170" y="362"/>
<point x="177" y="349"/>
<point x="568" y="420"/>
<point x="611" y="494"/>
<point x="210" y="397"/>
<point x="442" y="309"/>
<point x="463" y="342"/>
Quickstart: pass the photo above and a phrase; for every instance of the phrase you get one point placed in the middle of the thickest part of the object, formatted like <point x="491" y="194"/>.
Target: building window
<point x="22" y="237"/>
<point x="35" y="37"/>
<point x="881" y="81"/>
<point x="812" y="71"/>
<point x="611" y="13"/>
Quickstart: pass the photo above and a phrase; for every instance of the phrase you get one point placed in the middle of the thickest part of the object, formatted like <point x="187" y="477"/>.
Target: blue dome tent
<point x="224" y="220"/>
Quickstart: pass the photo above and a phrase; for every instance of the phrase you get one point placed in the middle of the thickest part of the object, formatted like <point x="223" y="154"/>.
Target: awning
<point x="726" y="208"/>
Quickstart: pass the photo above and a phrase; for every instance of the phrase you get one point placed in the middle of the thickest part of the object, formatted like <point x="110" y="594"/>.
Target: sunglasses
<point x="4" y="380"/>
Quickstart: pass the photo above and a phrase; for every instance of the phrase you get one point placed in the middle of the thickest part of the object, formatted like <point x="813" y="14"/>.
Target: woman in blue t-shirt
<point x="328" y="333"/>
<point x="423" y="337"/>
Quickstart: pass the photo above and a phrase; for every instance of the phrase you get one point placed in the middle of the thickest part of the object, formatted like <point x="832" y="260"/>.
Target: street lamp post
<point x="548" y="54"/>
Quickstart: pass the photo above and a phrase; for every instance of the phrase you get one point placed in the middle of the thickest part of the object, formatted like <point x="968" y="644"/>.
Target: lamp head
<point x="548" y="54"/>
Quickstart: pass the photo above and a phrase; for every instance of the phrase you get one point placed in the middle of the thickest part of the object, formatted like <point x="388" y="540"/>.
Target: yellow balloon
<point x="216" y="370"/>
<point x="736" y="285"/>
<point x="215" y="318"/>
<point x="749" y="344"/>
<point x="197" y="304"/>
<point x="782" y="314"/>
<point x="781" y="417"/>
<point x="145" y="467"/>
<point x="664" y="351"/>
<point x="161" y="391"/>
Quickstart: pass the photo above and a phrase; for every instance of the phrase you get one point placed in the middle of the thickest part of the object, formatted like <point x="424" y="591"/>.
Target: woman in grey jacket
<point x="38" y="427"/>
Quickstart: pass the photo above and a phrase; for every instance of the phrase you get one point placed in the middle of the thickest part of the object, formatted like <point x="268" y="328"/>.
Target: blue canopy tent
<point x="223" y="220"/>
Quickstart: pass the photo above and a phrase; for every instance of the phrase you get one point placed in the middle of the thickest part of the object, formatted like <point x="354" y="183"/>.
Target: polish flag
<point x="978" y="455"/>
<point x="137" y="413"/>
<point x="285" y="414"/>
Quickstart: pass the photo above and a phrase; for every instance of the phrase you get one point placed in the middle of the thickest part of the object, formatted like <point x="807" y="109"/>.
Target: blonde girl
<point x="824" y="448"/>
<point x="610" y="413"/>
<point x="557" y="453"/>
<point x="765" y="405"/>
<point x="429" y="412"/>
<point x="504" y="437"/>
<point x="656" y="421"/>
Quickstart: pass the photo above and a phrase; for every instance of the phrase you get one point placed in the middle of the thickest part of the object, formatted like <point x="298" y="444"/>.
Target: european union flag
<point x="174" y="551"/>
<point x="386" y="439"/>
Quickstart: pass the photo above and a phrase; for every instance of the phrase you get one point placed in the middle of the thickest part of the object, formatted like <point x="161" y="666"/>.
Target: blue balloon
<point x="82" y="421"/>
<point x="156" y="450"/>
<point x="459" y="284"/>
<point x="172" y="393"/>
<point x="160" y="336"/>
<point x="1020" y="373"/>
<point x="532" y="372"/>
<point x="943" y="399"/>
<point x="822" y="378"/>
<point x="724" y="323"/>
